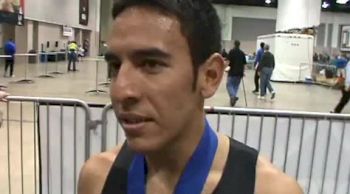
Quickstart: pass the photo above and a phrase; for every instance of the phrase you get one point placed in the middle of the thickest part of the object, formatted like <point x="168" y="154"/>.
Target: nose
<point x="125" y="86"/>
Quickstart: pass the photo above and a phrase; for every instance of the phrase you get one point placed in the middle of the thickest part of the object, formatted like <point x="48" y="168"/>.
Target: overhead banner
<point x="12" y="12"/>
<point x="84" y="12"/>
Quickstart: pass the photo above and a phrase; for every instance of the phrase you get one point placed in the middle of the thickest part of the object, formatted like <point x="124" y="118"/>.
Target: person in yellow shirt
<point x="72" y="55"/>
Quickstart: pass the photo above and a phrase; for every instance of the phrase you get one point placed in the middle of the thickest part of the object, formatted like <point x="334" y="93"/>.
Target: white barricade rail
<point x="97" y="61"/>
<point x="43" y="144"/>
<point x="43" y="149"/>
<point x="25" y="80"/>
<point x="4" y="57"/>
<point x="311" y="147"/>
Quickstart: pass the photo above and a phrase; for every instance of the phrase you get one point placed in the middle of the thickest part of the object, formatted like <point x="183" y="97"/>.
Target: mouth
<point x="133" y="123"/>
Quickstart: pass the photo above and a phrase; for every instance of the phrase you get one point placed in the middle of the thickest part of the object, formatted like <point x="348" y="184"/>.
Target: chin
<point x="142" y="145"/>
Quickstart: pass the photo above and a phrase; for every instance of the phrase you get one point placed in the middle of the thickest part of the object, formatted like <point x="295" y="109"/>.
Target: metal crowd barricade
<point x="57" y="72"/>
<point x="47" y="140"/>
<point x="107" y="83"/>
<point x="43" y="144"/>
<point x="46" y="63"/>
<point x="25" y="80"/>
<point x="97" y="61"/>
<point x="311" y="147"/>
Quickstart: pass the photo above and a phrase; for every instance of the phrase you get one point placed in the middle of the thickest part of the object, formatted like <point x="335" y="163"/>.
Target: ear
<point x="210" y="75"/>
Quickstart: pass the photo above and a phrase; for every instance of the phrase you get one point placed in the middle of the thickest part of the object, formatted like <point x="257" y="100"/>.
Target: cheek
<point x="113" y="92"/>
<point x="174" y="93"/>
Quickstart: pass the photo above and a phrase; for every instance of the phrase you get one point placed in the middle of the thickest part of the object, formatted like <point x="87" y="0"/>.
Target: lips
<point x="133" y="123"/>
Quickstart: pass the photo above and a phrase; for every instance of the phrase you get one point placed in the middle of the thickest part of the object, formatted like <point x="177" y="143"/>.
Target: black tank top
<point x="238" y="176"/>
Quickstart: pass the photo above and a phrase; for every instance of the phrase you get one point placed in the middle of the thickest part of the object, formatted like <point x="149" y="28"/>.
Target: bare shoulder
<point x="271" y="180"/>
<point x="94" y="172"/>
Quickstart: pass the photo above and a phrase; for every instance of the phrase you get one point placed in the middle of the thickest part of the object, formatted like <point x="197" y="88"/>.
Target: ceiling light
<point x="268" y="1"/>
<point x="342" y="1"/>
<point x="325" y="5"/>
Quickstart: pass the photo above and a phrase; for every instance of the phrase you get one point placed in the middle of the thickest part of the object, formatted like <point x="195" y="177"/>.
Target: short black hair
<point x="199" y="22"/>
<point x="237" y="43"/>
<point x="262" y="45"/>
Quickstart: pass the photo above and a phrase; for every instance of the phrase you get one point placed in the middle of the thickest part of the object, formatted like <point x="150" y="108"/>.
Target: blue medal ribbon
<point x="195" y="174"/>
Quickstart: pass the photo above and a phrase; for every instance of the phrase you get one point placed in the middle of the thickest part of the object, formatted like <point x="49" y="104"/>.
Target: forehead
<point x="147" y="27"/>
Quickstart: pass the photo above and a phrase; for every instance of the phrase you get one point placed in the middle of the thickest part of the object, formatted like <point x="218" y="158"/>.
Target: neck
<point x="171" y="161"/>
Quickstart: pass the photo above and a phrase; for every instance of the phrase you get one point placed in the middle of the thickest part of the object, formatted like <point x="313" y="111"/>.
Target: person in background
<point x="340" y="63"/>
<point x="315" y="57"/>
<point x="224" y="53"/>
<point x="265" y="69"/>
<point x="72" y="55"/>
<point x="80" y="52"/>
<point x="9" y="49"/>
<point x="345" y="90"/>
<point x="258" y="57"/>
<point x="237" y="61"/>
<point x="86" y="46"/>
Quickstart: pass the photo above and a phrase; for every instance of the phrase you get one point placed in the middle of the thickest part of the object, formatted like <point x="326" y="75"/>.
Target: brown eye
<point x="114" y="67"/>
<point x="152" y="66"/>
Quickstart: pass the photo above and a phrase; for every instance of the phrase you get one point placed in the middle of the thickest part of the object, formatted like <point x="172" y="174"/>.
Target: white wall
<point x="52" y="33"/>
<point x="30" y="31"/>
<point x="294" y="14"/>
<point x="106" y="18"/>
<point x="53" y="14"/>
<point x="64" y="12"/>
<point x="247" y="29"/>
<point x="337" y="19"/>
<point x="227" y="12"/>
<point x="7" y="31"/>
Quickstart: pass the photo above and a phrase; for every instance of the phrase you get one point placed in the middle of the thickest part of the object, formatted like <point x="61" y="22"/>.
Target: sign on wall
<point x="12" y="11"/>
<point x="84" y="12"/>
<point x="68" y="31"/>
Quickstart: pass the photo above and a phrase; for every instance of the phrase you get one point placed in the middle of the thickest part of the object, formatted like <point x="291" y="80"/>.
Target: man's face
<point x="151" y="89"/>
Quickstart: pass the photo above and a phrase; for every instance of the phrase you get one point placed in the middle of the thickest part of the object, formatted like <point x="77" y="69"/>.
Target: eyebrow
<point x="140" y="53"/>
<point x="150" y="52"/>
<point x="109" y="56"/>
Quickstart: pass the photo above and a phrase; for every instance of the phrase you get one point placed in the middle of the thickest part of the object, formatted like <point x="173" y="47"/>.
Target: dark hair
<point x="262" y="44"/>
<point x="237" y="43"/>
<point x="199" y="22"/>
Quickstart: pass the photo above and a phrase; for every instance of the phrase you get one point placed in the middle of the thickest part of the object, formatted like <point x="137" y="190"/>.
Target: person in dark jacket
<point x="258" y="58"/>
<point x="224" y="53"/>
<point x="10" y="49"/>
<point x="265" y="69"/>
<point x="237" y="61"/>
